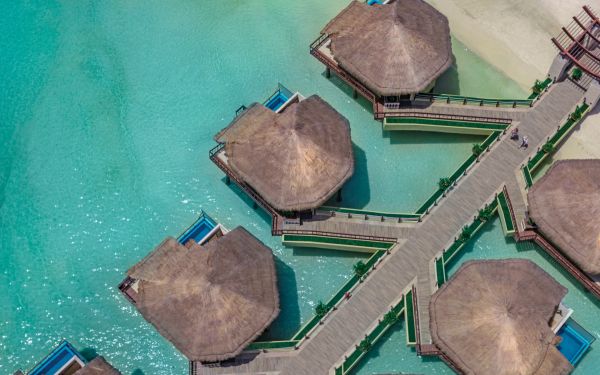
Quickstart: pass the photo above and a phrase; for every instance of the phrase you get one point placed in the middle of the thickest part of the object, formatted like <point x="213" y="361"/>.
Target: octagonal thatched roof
<point x="393" y="49"/>
<point x="565" y="205"/>
<point x="98" y="366"/>
<point x="492" y="317"/>
<point x="296" y="159"/>
<point x="210" y="301"/>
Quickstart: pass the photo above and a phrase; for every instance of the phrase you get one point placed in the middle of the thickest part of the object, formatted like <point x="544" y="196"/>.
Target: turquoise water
<point x="106" y="118"/>
<point x="490" y="243"/>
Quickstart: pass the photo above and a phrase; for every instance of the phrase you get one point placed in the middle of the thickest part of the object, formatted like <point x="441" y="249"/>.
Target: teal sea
<point x="107" y="114"/>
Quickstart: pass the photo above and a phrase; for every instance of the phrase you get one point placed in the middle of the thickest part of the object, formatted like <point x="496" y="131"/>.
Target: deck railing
<point x="314" y="50"/>
<point x="468" y="100"/>
<point x="443" y="116"/>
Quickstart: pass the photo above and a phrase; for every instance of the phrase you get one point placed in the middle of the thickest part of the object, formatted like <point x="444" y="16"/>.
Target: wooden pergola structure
<point x="580" y="42"/>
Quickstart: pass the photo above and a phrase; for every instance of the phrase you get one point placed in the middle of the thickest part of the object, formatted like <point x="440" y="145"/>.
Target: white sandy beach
<point x="514" y="36"/>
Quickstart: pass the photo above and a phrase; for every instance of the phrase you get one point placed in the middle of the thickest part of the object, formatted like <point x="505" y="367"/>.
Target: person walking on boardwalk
<point x="514" y="134"/>
<point x="525" y="142"/>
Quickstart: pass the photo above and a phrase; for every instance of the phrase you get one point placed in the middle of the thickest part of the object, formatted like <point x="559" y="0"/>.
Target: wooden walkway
<point x="410" y="260"/>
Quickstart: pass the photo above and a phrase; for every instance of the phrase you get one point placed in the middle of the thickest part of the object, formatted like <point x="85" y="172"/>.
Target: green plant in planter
<point x="360" y="268"/>
<point x="576" y="74"/>
<point x="548" y="148"/>
<point x="537" y="87"/>
<point x="576" y="115"/>
<point x="466" y="233"/>
<point x="321" y="309"/>
<point x="390" y="317"/>
<point x="365" y="345"/>
<point x="444" y="183"/>
<point x="485" y="214"/>
<point x="478" y="149"/>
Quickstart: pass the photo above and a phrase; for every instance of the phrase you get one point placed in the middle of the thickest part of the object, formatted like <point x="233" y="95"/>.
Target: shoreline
<point x="514" y="37"/>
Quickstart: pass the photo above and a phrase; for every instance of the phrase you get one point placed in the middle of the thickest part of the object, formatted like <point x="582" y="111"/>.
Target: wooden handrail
<point x="442" y="116"/>
<point x="341" y="235"/>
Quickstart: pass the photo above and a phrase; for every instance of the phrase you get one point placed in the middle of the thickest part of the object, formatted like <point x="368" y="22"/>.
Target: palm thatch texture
<point x="209" y="301"/>
<point x="565" y="205"/>
<point x="97" y="366"/>
<point x="296" y="159"/>
<point x="492" y="317"/>
<point x="393" y="49"/>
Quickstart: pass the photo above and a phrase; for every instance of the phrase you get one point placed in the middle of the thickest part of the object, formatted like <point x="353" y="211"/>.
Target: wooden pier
<point x="409" y="263"/>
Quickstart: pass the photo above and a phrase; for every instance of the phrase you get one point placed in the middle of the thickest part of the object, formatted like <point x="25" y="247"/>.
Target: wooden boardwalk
<point x="410" y="261"/>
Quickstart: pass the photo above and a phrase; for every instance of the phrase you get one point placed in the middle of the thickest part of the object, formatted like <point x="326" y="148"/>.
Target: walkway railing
<point x="467" y="100"/>
<point x="444" y="116"/>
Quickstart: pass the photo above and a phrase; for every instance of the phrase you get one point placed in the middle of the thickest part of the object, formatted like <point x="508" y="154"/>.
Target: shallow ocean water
<point x="106" y="118"/>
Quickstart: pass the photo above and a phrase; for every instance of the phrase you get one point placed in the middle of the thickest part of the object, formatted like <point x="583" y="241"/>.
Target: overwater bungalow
<point x="289" y="161"/>
<point x="389" y="52"/>
<point x="64" y="359"/>
<point x="209" y="301"/>
<point x="565" y="206"/>
<point x="501" y="317"/>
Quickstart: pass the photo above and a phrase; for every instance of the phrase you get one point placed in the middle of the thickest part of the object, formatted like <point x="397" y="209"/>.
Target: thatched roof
<point x="393" y="49"/>
<point x="295" y="160"/>
<point x="565" y="205"/>
<point x="492" y="317"/>
<point x="98" y="366"/>
<point x="210" y="301"/>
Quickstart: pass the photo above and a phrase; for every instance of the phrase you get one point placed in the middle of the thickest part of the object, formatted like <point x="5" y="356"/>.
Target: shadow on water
<point x="470" y="245"/>
<point x="137" y="371"/>
<point x="348" y="90"/>
<point x="88" y="353"/>
<point x="415" y="137"/>
<point x="449" y="82"/>
<point x="356" y="193"/>
<point x="288" y="321"/>
<point x="246" y="199"/>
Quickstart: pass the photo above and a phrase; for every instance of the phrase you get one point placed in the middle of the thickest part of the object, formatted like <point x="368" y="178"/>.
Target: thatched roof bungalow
<point x="394" y="49"/>
<point x="565" y="206"/>
<point x="210" y="301"/>
<point x="295" y="160"/>
<point x="492" y="317"/>
<point x="98" y="366"/>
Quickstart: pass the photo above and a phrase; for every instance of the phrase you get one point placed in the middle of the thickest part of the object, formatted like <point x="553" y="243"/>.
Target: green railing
<point x="329" y="240"/>
<point x="357" y="354"/>
<point x="544" y="85"/>
<point x="527" y="176"/>
<point x="409" y="319"/>
<point x="505" y="217"/>
<point x="487" y="126"/>
<point x="314" y="321"/>
<point x="448" y="254"/>
<point x="476" y="101"/>
<point x="355" y="211"/>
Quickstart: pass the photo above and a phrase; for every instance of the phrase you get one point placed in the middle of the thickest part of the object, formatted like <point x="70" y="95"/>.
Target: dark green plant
<point x="478" y="149"/>
<point x="444" y="183"/>
<point x="321" y="309"/>
<point x="466" y="234"/>
<point x="576" y="115"/>
<point x="548" y="147"/>
<point x="360" y="268"/>
<point x="576" y="74"/>
<point x="365" y="345"/>
<point x="390" y="317"/>
<point x="485" y="213"/>
<point x="537" y="87"/>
